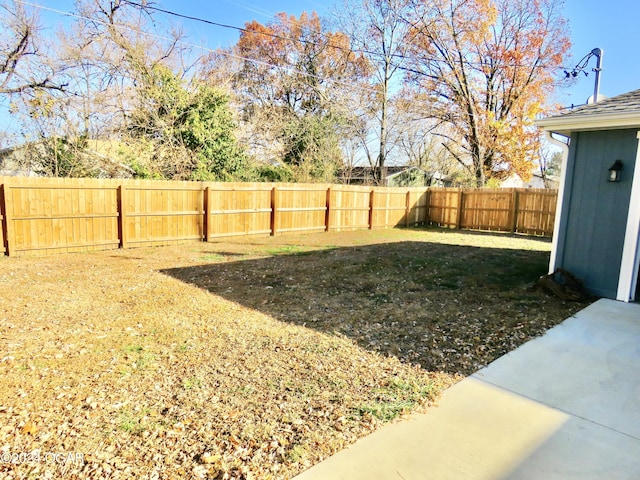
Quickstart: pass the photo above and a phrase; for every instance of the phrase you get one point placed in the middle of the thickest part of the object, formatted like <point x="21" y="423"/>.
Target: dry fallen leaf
<point x="29" y="429"/>
<point x="265" y="381"/>
<point x="209" y="458"/>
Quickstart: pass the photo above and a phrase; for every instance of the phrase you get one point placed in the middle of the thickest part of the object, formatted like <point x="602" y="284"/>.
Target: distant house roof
<point x="536" y="181"/>
<point x="367" y="172"/>
<point x="621" y="111"/>
<point x="14" y="161"/>
<point x="13" y="167"/>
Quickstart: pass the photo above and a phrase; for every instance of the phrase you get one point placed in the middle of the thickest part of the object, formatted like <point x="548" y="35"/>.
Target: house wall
<point x="413" y="177"/>
<point x="595" y="211"/>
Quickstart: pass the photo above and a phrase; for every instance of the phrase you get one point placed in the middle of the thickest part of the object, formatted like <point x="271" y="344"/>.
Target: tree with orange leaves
<point x="292" y="76"/>
<point x="483" y="70"/>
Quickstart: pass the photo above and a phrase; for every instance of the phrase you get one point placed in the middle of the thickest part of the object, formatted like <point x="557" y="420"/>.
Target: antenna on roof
<point x="597" y="52"/>
<point x="582" y="65"/>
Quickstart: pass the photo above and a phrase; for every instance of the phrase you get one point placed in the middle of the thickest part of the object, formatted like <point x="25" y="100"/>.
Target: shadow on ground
<point x="445" y="307"/>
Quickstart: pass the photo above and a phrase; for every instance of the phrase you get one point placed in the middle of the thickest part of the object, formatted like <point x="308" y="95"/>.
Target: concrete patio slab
<point x="589" y="366"/>
<point x="563" y="406"/>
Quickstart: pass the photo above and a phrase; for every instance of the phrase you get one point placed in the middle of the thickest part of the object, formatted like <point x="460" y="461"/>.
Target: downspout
<point x="560" y="201"/>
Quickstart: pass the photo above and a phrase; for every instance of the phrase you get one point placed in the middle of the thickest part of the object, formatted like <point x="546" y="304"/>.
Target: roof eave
<point x="391" y="175"/>
<point x="566" y="125"/>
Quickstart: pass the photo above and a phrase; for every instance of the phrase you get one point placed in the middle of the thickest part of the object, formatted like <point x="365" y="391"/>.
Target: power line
<point x="250" y="8"/>
<point x="225" y="52"/>
<point x="316" y="44"/>
<point x="199" y="47"/>
<point x="272" y="35"/>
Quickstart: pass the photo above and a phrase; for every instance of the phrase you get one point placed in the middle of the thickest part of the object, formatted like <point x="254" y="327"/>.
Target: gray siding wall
<point x="595" y="211"/>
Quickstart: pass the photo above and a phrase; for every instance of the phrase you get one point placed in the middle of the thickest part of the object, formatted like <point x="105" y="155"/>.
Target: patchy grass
<point x="395" y="398"/>
<point x="447" y="301"/>
<point x="253" y="359"/>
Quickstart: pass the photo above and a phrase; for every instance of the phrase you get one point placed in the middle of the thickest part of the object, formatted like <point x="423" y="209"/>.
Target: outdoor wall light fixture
<point x="614" y="171"/>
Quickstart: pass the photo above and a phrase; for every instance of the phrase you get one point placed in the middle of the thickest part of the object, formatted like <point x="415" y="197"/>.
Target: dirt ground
<point x="249" y="359"/>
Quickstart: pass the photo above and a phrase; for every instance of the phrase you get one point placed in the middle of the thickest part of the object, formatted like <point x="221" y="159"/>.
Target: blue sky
<point x="237" y="13"/>
<point x="612" y="27"/>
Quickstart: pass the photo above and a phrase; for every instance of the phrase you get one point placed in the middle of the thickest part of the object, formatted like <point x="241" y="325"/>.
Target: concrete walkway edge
<point x="563" y="406"/>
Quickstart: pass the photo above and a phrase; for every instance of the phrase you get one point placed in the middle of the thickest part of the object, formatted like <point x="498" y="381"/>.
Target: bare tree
<point x="549" y="163"/>
<point x="379" y="30"/>
<point x="24" y="64"/>
<point x="119" y="63"/>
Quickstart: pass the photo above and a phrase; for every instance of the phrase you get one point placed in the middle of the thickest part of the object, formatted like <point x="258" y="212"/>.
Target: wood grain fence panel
<point x="359" y="212"/>
<point x="349" y="207"/>
<point x="352" y="209"/>
<point x="301" y="208"/>
<point x="82" y="224"/>
<point x="162" y="213"/>
<point x="443" y="206"/>
<point x="4" y="220"/>
<point x="377" y="201"/>
<point x="239" y="209"/>
<point x="360" y="216"/>
<point x="42" y="216"/>
<point x="536" y="211"/>
<point x="390" y="208"/>
<point x="216" y="204"/>
<point x="19" y="237"/>
<point x="28" y="212"/>
<point x="419" y="213"/>
<point x="3" y="223"/>
<point x="380" y="204"/>
<point x="258" y="218"/>
<point x="335" y="219"/>
<point x="415" y="206"/>
<point x="533" y="212"/>
<point x="378" y="208"/>
<point x="487" y="209"/>
<point x="58" y="215"/>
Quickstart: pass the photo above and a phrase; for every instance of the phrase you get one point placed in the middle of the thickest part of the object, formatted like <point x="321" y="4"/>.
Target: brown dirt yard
<point x="249" y="359"/>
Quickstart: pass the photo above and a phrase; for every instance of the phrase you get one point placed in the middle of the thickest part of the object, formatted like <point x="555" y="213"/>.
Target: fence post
<point x="121" y="217"/>
<point x="427" y="210"/>
<point x="371" y="197"/>
<point x="407" y="209"/>
<point x="459" y="219"/>
<point x="514" y="210"/>
<point x="205" y="207"/>
<point x="5" y="212"/>
<point x="327" y="212"/>
<point x="274" y="208"/>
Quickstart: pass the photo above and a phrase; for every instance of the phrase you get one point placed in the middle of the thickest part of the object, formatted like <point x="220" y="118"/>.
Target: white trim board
<point x="555" y="237"/>
<point x="630" y="262"/>
<point x="566" y="124"/>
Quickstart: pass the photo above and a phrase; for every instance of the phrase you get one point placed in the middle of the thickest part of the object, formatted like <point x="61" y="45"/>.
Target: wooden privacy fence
<point x="46" y="215"/>
<point x="527" y="211"/>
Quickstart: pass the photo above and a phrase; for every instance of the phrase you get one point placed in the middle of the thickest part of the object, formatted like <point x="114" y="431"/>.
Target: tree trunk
<point x="380" y="171"/>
